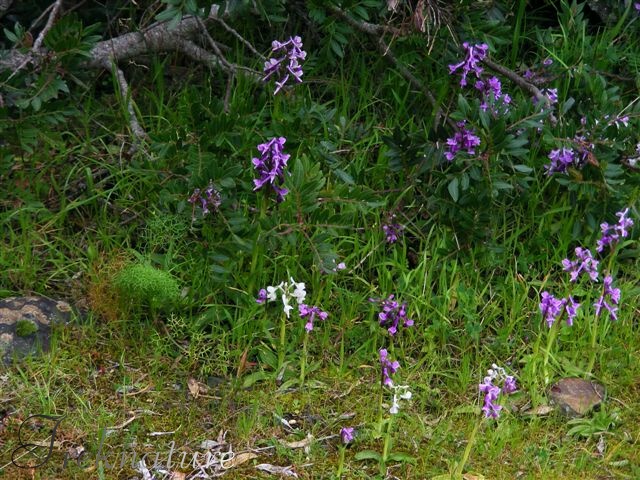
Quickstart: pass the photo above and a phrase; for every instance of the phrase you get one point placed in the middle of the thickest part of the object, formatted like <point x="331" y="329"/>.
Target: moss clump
<point x="143" y="285"/>
<point x="24" y="328"/>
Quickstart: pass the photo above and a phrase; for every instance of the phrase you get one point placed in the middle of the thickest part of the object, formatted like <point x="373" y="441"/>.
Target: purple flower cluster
<point x="270" y="166"/>
<point x="609" y="298"/>
<point x="492" y="392"/>
<point x="392" y="231"/>
<point x="346" y="433"/>
<point x="561" y="160"/>
<point x="552" y="308"/>
<point x="611" y="234"/>
<point x="293" y="54"/>
<point x="584" y="263"/>
<point x="463" y="139"/>
<point x="388" y="367"/>
<point x="551" y="95"/>
<point x="310" y="313"/>
<point x="493" y="96"/>
<point x="391" y="315"/>
<point x="474" y="54"/>
<point x="210" y="199"/>
<point x="262" y="296"/>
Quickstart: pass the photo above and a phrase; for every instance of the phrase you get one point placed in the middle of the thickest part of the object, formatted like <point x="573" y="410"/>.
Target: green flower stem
<point x="342" y="449"/>
<point x="303" y="360"/>
<point x="595" y="325"/>
<point x="283" y="339"/>
<point x="553" y="331"/>
<point x="342" y="352"/>
<point x="380" y="400"/>
<point x="457" y="474"/>
<point x="387" y="446"/>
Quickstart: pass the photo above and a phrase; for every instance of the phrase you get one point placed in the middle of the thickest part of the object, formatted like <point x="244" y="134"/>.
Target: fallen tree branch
<point x="52" y="17"/>
<point x="136" y="129"/>
<point x="37" y="45"/>
<point x="240" y="37"/>
<point x="108" y="54"/>
<point x="226" y="66"/>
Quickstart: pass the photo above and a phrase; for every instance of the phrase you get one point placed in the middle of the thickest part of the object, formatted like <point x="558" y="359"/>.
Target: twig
<point x="223" y="61"/>
<point x="52" y="17"/>
<point x="366" y="27"/>
<point x="239" y="37"/>
<point x="36" y="22"/>
<point x="35" y="50"/>
<point x="137" y="130"/>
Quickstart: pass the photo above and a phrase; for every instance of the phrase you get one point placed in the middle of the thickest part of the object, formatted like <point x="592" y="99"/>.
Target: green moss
<point x="144" y="285"/>
<point x="24" y="328"/>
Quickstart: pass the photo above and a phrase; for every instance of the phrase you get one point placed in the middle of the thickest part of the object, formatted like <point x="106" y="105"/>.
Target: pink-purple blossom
<point x="492" y="95"/>
<point x="292" y="54"/>
<point x="491" y="407"/>
<point x="346" y="433"/>
<point x="270" y="166"/>
<point x="262" y="296"/>
<point x="584" y="263"/>
<point x="388" y="367"/>
<point x="609" y="298"/>
<point x="561" y="160"/>
<point x="210" y="199"/>
<point x="552" y="308"/>
<point x="392" y="231"/>
<point x="474" y="54"/>
<point x="551" y="95"/>
<point x="393" y="313"/>
<point x="310" y="313"/>
<point x="571" y="307"/>
<point x="611" y="234"/>
<point x="463" y="139"/>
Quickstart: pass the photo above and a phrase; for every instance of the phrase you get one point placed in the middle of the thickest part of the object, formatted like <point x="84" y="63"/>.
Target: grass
<point x="362" y="149"/>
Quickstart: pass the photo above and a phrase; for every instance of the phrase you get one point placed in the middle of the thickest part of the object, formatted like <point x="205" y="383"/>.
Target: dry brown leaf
<point x="472" y="476"/>
<point x="540" y="410"/>
<point x="238" y="460"/>
<point x="178" y="476"/>
<point x="298" y="444"/>
<point x="276" y="470"/>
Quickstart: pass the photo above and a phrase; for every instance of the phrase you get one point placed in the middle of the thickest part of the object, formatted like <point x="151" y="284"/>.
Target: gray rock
<point x="574" y="397"/>
<point x="40" y="311"/>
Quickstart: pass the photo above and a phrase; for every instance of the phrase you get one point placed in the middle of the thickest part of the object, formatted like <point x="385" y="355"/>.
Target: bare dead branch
<point x="366" y="27"/>
<point x="138" y="132"/>
<point x="37" y="45"/>
<point x="240" y="37"/>
<point x="198" y="53"/>
<point x="52" y="18"/>
<point x="223" y="61"/>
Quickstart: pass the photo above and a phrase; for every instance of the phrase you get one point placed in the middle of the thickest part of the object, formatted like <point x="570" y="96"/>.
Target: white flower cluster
<point x="288" y="290"/>
<point x="401" y="392"/>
